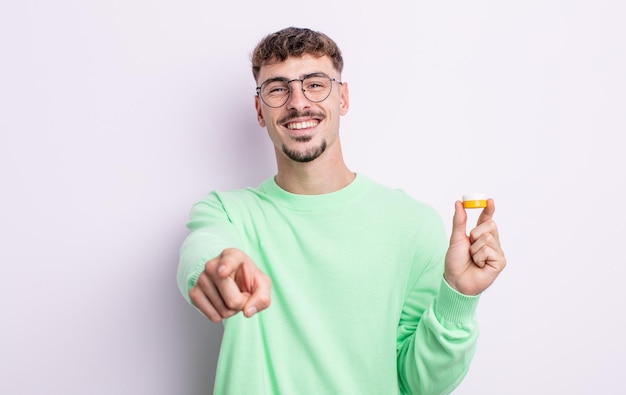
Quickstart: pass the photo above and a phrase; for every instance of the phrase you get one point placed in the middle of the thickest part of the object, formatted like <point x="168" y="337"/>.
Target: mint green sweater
<point x="359" y="304"/>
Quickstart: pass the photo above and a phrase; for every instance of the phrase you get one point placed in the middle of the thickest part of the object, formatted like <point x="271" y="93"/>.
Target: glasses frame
<point x="288" y="82"/>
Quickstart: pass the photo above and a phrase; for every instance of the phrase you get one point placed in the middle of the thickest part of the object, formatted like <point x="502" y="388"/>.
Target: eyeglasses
<point x="276" y="91"/>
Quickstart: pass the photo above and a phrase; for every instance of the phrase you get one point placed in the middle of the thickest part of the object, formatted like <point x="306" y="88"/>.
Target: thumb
<point x="487" y="213"/>
<point x="459" y="223"/>
<point x="260" y="294"/>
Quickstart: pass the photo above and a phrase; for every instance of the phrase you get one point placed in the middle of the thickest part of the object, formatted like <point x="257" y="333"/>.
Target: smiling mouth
<point x="302" y="125"/>
<point x="301" y="120"/>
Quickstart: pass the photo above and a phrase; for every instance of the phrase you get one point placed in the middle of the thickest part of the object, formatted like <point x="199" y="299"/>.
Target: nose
<point x="296" y="98"/>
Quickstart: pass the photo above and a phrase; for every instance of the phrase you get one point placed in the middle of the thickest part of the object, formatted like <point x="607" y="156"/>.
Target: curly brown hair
<point x="294" y="41"/>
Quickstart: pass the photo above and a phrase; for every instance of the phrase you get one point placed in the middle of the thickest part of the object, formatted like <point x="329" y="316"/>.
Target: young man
<point x="326" y="281"/>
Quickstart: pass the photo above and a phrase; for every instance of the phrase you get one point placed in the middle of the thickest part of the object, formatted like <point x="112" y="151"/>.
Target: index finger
<point x="229" y="262"/>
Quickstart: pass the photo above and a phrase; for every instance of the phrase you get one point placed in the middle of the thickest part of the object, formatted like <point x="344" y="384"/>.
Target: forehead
<point x="296" y="67"/>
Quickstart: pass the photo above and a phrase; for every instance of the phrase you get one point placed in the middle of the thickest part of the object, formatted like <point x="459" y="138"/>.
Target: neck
<point x="325" y="174"/>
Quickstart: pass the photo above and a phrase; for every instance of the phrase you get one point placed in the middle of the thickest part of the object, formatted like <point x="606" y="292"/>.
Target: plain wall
<point x="116" y="116"/>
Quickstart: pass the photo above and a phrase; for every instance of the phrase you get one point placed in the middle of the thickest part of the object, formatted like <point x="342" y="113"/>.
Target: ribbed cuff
<point x="452" y="306"/>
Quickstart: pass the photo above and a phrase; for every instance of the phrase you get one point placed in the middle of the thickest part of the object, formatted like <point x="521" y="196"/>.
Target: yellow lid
<point x="475" y="200"/>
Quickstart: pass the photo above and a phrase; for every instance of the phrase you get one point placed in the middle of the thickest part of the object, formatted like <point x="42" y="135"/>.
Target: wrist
<point x="454" y="306"/>
<point x="458" y="286"/>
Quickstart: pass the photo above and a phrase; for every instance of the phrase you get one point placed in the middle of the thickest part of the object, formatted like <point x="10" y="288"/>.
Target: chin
<point x="307" y="155"/>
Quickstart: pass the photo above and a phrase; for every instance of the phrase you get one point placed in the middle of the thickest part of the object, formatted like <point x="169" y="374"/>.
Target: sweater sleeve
<point x="437" y="332"/>
<point x="211" y="231"/>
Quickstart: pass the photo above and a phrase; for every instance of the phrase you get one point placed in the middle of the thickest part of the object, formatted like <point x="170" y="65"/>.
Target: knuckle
<point x="210" y="266"/>
<point x="263" y="301"/>
<point x="214" y="317"/>
<point x="201" y="281"/>
<point x="195" y="294"/>
<point x="228" y="314"/>
<point x="503" y="261"/>
<point x="265" y="278"/>
<point x="235" y="305"/>
<point x="230" y="257"/>
<point x="229" y="253"/>
<point x="205" y="283"/>
<point x="494" y="226"/>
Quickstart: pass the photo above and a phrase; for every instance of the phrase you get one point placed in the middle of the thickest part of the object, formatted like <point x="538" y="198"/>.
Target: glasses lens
<point x="275" y="93"/>
<point x="315" y="89"/>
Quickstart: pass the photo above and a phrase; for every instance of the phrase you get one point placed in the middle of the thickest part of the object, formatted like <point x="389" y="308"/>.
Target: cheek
<point x="274" y="136"/>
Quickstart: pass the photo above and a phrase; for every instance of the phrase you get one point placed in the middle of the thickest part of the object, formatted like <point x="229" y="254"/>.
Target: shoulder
<point x="397" y="199"/>
<point x="228" y="200"/>
<point x="235" y="195"/>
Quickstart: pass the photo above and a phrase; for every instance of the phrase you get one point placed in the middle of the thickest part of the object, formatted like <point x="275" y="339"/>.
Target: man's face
<point x="302" y="130"/>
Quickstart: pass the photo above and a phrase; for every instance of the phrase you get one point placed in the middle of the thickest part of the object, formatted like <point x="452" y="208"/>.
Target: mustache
<point x="294" y="114"/>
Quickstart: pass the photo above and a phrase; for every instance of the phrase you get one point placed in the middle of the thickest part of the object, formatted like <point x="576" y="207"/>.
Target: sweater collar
<point x="326" y="201"/>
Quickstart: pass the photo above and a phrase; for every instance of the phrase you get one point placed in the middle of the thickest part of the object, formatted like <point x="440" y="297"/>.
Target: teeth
<point x="301" y="125"/>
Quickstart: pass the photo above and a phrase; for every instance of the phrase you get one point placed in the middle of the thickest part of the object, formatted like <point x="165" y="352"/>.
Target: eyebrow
<point x="316" y="74"/>
<point x="302" y="77"/>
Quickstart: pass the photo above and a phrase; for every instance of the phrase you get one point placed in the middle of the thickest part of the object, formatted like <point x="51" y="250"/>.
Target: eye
<point x="315" y="84"/>
<point x="275" y="89"/>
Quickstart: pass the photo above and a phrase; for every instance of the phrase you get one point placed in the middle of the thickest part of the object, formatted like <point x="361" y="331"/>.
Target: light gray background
<point x="116" y="116"/>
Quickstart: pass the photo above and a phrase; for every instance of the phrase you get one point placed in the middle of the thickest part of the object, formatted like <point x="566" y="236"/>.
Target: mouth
<point x="302" y="121"/>
<point x="311" y="123"/>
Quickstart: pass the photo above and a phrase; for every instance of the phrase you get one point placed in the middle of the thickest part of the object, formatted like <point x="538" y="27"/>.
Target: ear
<point x="259" y="113"/>
<point x="344" y="101"/>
